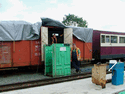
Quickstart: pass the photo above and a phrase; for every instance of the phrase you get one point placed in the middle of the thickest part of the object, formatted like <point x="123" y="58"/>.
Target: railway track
<point x="29" y="84"/>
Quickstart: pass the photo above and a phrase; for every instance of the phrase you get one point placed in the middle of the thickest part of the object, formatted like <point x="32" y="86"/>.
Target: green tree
<point x="71" y="19"/>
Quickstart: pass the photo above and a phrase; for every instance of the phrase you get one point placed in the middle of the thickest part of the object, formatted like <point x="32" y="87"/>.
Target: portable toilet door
<point x="61" y="60"/>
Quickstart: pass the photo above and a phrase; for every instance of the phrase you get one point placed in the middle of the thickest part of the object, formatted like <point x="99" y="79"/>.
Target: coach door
<point x="106" y="46"/>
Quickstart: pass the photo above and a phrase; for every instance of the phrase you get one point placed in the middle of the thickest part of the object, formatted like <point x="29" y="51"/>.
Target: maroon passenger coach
<point x="108" y="45"/>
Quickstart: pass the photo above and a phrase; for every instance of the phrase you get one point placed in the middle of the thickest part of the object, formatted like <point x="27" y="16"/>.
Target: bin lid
<point x="112" y="61"/>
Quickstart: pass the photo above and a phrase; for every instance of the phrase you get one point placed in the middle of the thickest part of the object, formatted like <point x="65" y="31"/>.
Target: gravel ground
<point x="21" y="78"/>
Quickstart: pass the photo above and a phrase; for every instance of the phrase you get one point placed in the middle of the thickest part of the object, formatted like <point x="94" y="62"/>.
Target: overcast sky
<point x="106" y="15"/>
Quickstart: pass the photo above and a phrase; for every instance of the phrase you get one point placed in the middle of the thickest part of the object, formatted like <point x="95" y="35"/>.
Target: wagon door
<point x="44" y="40"/>
<point x="5" y="54"/>
<point x="105" y="47"/>
<point x="68" y="36"/>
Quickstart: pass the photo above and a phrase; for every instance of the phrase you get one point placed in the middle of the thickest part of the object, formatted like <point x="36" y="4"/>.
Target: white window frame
<point x="109" y="39"/>
<point x="119" y="39"/>
<point x="101" y="38"/>
<point x="111" y="44"/>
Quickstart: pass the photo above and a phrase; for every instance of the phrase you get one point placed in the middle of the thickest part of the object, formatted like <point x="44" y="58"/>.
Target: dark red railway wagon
<point x="85" y="48"/>
<point x="20" y="53"/>
<point x="108" y="45"/>
<point x="21" y="43"/>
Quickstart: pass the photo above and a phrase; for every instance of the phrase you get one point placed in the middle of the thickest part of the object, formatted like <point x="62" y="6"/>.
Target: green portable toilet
<point x="61" y="60"/>
<point x="57" y="60"/>
<point x="48" y="59"/>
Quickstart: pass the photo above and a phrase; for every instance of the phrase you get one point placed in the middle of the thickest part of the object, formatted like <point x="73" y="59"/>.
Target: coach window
<point x="113" y="39"/>
<point x="103" y="39"/>
<point x="107" y="39"/>
<point x="122" y="40"/>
